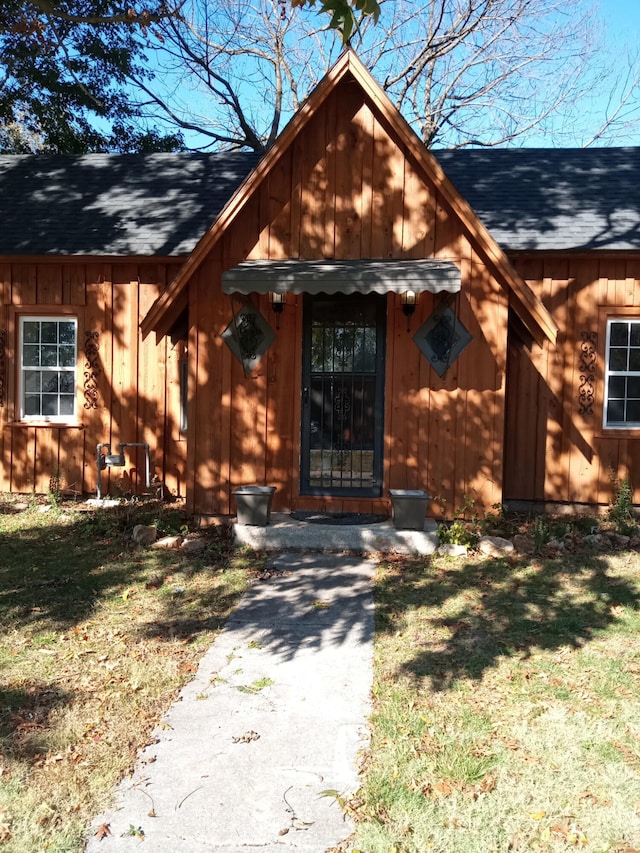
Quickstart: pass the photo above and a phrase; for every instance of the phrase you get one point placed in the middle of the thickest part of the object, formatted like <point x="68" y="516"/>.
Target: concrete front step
<point x="287" y="534"/>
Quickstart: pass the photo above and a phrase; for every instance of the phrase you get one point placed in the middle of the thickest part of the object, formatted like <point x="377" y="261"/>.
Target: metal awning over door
<point x="331" y="276"/>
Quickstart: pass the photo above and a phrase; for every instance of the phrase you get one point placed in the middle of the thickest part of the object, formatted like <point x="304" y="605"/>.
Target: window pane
<point x="31" y="332"/>
<point x="50" y="383"/>
<point x="634" y="359"/>
<point x="633" y="387"/>
<point x="67" y="334"/>
<point x="49" y="356"/>
<point x="66" y="404"/>
<point x="619" y="335"/>
<point x="633" y="411"/>
<point x="67" y="356"/>
<point x="617" y="359"/>
<point x="67" y="382"/>
<point x="32" y="404"/>
<point x="32" y="381"/>
<point x="49" y="333"/>
<point x="635" y="335"/>
<point x="615" y="412"/>
<point x="49" y="404"/>
<point x="31" y="356"/>
<point x="617" y="387"/>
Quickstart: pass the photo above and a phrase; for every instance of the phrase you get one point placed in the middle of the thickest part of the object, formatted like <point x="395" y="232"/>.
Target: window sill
<point x="617" y="434"/>
<point x="44" y="425"/>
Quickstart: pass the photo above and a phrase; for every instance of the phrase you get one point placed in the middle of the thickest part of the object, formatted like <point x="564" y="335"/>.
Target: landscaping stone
<point x="495" y="546"/>
<point x="144" y="534"/>
<point x="192" y="546"/>
<point x="168" y="542"/>
<point x="449" y="549"/>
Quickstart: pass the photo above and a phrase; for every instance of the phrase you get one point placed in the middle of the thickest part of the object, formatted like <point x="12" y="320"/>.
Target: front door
<point x="343" y="395"/>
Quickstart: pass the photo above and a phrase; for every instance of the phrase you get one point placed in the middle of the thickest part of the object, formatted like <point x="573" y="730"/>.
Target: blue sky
<point x="623" y="18"/>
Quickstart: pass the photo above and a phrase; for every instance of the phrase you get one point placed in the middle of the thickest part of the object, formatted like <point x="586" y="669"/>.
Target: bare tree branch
<point x="463" y="72"/>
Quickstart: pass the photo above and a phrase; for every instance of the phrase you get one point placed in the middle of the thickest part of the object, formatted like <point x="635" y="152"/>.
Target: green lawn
<point x="506" y="695"/>
<point x="506" y="707"/>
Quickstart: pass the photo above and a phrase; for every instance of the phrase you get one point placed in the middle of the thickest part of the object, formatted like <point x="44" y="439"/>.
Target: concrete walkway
<point x="276" y="714"/>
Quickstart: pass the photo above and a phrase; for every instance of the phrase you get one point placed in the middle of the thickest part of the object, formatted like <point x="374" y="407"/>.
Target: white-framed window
<point x="622" y="377"/>
<point x="48" y="367"/>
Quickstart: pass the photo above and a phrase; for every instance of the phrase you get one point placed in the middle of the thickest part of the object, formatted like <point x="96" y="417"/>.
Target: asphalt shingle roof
<point x="110" y="204"/>
<point x="552" y="199"/>
<point x="161" y="204"/>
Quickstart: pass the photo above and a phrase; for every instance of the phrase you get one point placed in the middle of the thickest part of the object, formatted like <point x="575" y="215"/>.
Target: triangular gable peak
<point x="362" y="185"/>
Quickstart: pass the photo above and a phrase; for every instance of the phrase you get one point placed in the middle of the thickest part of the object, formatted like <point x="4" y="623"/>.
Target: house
<point x="350" y="314"/>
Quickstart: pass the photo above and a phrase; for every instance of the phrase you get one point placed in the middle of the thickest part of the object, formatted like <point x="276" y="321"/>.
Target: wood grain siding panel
<point x="330" y="203"/>
<point x="98" y="318"/>
<point x="348" y="163"/>
<point x="23" y="284"/>
<point x="47" y="464"/>
<point x="485" y="317"/>
<point x="556" y="457"/>
<point x="207" y="429"/>
<point x="123" y="408"/>
<point x="279" y="208"/>
<point x="151" y="378"/>
<point x="49" y="284"/>
<point x="580" y="429"/>
<point x="365" y="123"/>
<point x="5" y="284"/>
<point x="280" y="424"/>
<point x="310" y="156"/>
<point x="419" y="210"/>
<point x="401" y="425"/>
<point x="424" y="480"/>
<point x="23" y="452"/>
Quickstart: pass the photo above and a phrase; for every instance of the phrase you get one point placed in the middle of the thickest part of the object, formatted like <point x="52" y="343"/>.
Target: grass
<point x="98" y="636"/>
<point x="506" y="707"/>
<point x="506" y="694"/>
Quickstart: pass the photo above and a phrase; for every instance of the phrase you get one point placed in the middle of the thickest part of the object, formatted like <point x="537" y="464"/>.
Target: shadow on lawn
<point x="501" y="608"/>
<point x="55" y="574"/>
<point x="24" y="716"/>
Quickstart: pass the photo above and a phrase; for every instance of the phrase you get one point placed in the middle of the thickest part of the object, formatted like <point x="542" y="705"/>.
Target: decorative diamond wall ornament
<point x="248" y="336"/>
<point x="441" y="339"/>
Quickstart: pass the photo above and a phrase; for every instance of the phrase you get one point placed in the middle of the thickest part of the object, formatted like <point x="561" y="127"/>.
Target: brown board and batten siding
<point x="136" y="382"/>
<point x="347" y="187"/>
<point x="557" y="449"/>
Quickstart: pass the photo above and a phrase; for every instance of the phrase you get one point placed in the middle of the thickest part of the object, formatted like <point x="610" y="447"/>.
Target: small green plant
<point x="541" y="533"/>
<point x="460" y="531"/>
<point x="621" y="511"/>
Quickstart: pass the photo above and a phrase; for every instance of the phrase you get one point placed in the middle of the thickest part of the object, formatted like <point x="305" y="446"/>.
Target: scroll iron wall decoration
<point x="587" y="368"/>
<point x="92" y="369"/>
<point x="3" y="364"/>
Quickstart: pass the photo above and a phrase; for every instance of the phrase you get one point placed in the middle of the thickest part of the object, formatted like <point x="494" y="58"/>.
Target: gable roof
<point x="114" y="204"/>
<point x="532" y="312"/>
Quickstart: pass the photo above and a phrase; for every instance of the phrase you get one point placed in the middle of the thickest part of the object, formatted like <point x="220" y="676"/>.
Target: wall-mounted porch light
<point x="409" y="300"/>
<point x="278" y="301"/>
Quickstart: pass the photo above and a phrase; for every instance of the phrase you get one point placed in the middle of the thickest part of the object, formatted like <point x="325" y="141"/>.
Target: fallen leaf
<point x="537" y="815"/>
<point x="103" y="831"/>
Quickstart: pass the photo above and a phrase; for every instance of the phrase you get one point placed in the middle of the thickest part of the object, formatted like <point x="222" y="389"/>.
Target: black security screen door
<point x="342" y="395"/>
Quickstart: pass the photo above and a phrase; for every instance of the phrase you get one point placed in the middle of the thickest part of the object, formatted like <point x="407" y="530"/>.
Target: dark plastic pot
<point x="408" y="508"/>
<point x="253" y="504"/>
